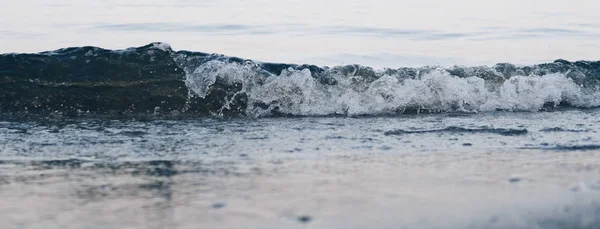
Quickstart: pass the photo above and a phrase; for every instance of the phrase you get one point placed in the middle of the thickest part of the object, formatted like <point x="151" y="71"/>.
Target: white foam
<point x="162" y="46"/>
<point x="297" y="92"/>
<point x="202" y="78"/>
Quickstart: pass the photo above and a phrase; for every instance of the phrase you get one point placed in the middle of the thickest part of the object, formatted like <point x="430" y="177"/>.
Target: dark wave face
<point x="154" y="80"/>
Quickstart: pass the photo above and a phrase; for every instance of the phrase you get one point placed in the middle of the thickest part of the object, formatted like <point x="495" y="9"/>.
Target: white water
<point x="297" y="92"/>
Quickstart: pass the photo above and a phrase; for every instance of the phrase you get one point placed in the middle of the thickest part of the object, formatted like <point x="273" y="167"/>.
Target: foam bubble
<point x="299" y="92"/>
<point x="162" y="46"/>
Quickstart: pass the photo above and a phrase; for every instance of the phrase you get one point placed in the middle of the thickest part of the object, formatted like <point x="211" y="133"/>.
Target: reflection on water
<point x="99" y="194"/>
<point x="449" y="190"/>
<point x="490" y="170"/>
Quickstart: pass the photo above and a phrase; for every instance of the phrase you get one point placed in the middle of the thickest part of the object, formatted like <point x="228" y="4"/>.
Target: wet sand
<point x="523" y="189"/>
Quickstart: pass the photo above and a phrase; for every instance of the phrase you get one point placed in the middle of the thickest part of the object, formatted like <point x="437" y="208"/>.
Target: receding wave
<point x="558" y="129"/>
<point x="154" y="80"/>
<point x="461" y="130"/>
<point x="574" y="147"/>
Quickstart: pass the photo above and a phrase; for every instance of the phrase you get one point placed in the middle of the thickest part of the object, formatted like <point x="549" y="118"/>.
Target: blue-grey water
<point x="504" y="146"/>
<point x="498" y="170"/>
<point x="382" y="34"/>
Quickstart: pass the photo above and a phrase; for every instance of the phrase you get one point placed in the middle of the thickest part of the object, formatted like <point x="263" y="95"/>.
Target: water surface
<point x="160" y="137"/>
<point x="381" y="34"/>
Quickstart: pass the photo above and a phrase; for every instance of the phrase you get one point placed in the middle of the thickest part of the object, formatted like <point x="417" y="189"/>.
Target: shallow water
<point x="208" y="139"/>
<point x="453" y="170"/>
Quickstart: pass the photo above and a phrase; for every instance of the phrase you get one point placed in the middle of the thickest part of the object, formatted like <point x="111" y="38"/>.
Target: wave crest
<point x="298" y="91"/>
<point x="155" y="80"/>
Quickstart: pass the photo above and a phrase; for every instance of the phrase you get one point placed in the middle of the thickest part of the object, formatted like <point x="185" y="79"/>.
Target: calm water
<point x="344" y="147"/>
<point x="382" y="34"/>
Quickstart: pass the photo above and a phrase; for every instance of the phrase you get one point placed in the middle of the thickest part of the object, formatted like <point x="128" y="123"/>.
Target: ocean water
<point x="382" y="34"/>
<point x="299" y="114"/>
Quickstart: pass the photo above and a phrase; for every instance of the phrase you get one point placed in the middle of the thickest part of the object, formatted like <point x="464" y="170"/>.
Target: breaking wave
<point x="155" y="80"/>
